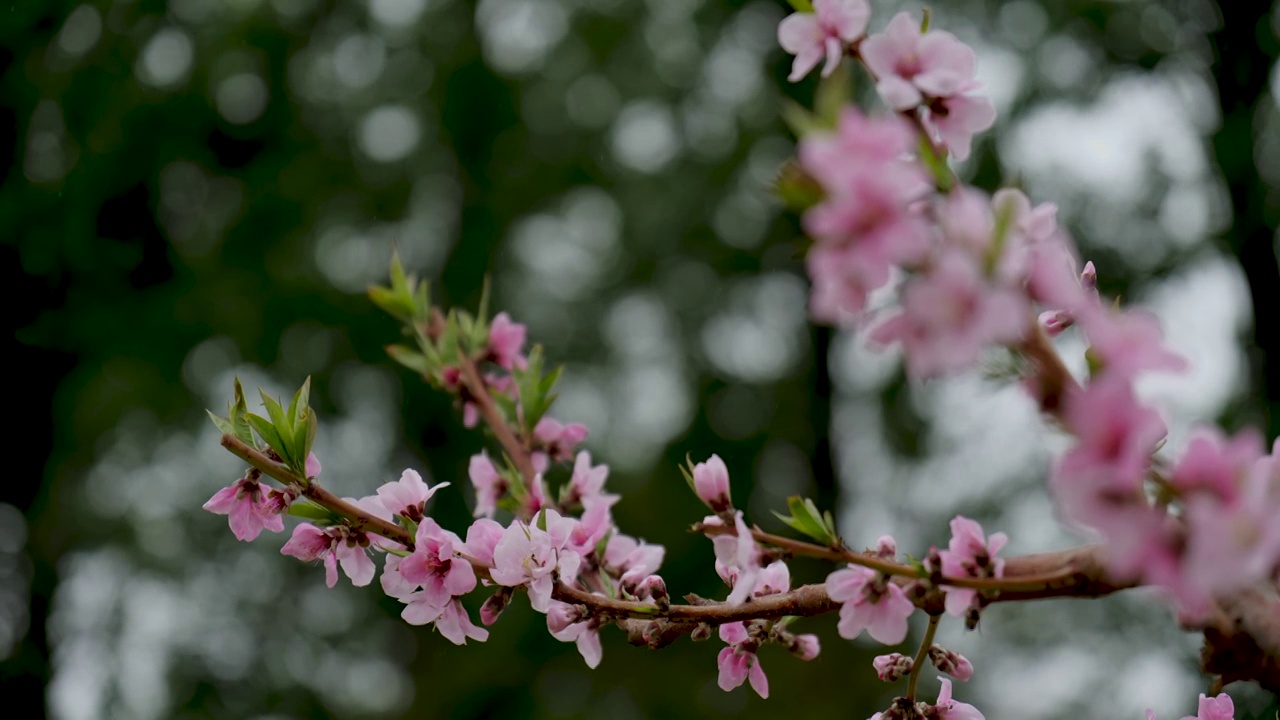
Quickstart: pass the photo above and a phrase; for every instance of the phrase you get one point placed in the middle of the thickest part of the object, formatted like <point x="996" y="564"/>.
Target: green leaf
<point x="298" y="446"/>
<point x="833" y="94"/>
<point x="801" y="121"/>
<point x="926" y="21"/>
<point x="223" y="425"/>
<point x="806" y="519"/>
<point x="301" y="401"/>
<point x="687" y="471"/>
<point x="803" y="6"/>
<point x="797" y="190"/>
<point x="308" y="510"/>
<point x="267" y="432"/>
<point x="395" y="304"/>
<point x="410" y="358"/>
<point x="276" y="412"/>
<point x="237" y="412"/>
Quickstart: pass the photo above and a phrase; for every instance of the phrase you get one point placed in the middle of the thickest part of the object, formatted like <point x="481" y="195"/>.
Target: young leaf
<point x="223" y="425"/>
<point x="301" y="401"/>
<point x="308" y="510"/>
<point x="409" y="358"/>
<point x="267" y="432"/>
<point x="237" y="412"/>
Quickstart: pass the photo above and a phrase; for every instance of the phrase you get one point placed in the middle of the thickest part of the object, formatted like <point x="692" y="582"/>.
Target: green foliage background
<point x="202" y="188"/>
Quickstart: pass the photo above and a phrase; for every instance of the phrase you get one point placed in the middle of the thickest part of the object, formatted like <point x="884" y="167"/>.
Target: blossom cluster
<point x="963" y="272"/>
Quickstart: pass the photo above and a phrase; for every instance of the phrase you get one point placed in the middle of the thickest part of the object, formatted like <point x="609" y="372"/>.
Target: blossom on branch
<point x="826" y="32"/>
<point x="869" y="602"/>
<point x="738" y="662"/>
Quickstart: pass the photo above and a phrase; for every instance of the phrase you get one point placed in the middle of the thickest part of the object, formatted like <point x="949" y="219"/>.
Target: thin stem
<point x="479" y="392"/>
<point x="918" y="663"/>
<point x="1024" y="578"/>
<point x="358" y="517"/>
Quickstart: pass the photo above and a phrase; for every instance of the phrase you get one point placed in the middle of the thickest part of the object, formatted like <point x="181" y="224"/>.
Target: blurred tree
<point x="201" y="188"/>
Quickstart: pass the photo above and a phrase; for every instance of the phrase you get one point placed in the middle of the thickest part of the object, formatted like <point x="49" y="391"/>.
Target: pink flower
<point x="408" y="497"/>
<point x="566" y="625"/>
<point x="869" y="602"/>
<point x="393" y="583"/>
<point x="772" y="580"/>
<point x="337" y="545"/>
<point x="910" y="66"/>
<point x="528" y="555"/>
<point x="1211" y="708"/>
<point x="1215" y="464"/>
<point x="737" y="559"/>
<point x="831" y="28"/>
<point x="954" y="120"/>
<point x="738" y="662"/>
<point x="949" y="316"/>
<point x="632" y="560"/>
<point x="862" y="144"/>
<point x="711" y="484"/>
<point x="596" y="522"/>
<point x="843" y="278"/>
<point x="435" y="566"/>
<point x="249" y="507"/>
<point x="870" y="211"/>
<point x="1116" y="437"/>
<point x="554" y="442"/>
<point x="1127" y="343"/>
<point x="586" y="481"/>
<point x="455" y="624"/>
<point x="482" y="538"/>
<point x="506" y="341"/>
<point x="948" y="709"/>
<point x="970" y="554"/>
<point x="489" y="485"/>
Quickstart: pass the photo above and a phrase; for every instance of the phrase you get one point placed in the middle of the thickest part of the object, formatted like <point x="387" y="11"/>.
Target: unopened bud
<point x="806" y="647"/>
<point x="886" y="547"/>
<point x="561" y="615"/>
<point x="700" y="633"/>
<point x="655" y="588"/>
<point x="1055" y="321"/>
<point x="494" y="606"/>
<point x="711" y="483"/>
<point x="1089" y="277"/>
<point x="890" y="668"/>
<point x="951" y="663"/>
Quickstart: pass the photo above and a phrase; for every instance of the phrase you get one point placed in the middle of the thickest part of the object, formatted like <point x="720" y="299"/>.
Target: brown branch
<point x="358" y="517"/>
<point x="479" y="392"/>
<point x="1055" y="380"/>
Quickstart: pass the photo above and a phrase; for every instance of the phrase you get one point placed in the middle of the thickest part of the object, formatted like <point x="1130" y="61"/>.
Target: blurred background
<point x="202" y="189"/>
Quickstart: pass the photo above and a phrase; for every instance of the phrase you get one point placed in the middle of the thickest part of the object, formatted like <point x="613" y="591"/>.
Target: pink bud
<point x="886" y="547"/>
<point x="653" y="587"/>
<point x="561" y="615"/>
<point x="806" y="647"/>
<point x="892" y="667"/>
<point x="1055" y="321"/>
<point x="313" y="465"/>
<point x="493" y="607"/>
<point x="1089" y="277"/>
<point x="951" y="663"/>
<point x="711" y="483"/>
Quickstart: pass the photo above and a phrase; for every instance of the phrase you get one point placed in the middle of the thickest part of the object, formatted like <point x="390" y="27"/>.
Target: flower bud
<point x="1055" y="321"/>
<point x="561" y="615"/>
<point x="890" y="668"/>
<point x="711" y="483"/>
<point x="494" y="606"/>
<point x="655" y="588"/>
<point x="700" y="633"/>
<point x="886" y="547"/>
<point x="806" y="646"/>
<point x="1089" y="277"/>
<point x="951" y="663"/>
